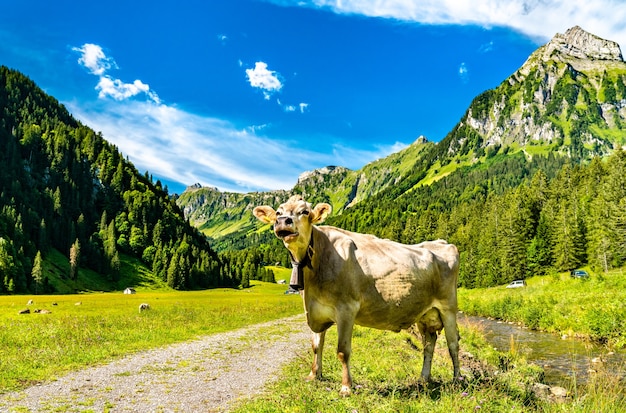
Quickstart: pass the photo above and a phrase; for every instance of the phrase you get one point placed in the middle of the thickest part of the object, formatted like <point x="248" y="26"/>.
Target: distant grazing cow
<point x="24" y="311"/>
<point x="349" y="278"/>
<point x="143" y="307"/>
<point x="30" y="302"/>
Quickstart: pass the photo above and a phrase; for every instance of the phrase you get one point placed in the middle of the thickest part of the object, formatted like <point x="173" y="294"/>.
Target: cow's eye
<point x="279" y="213"/>
<point x="304" y="212"/>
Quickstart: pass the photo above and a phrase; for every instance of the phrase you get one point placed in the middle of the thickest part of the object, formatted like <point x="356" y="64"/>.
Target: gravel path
<point x="205" y="375"/>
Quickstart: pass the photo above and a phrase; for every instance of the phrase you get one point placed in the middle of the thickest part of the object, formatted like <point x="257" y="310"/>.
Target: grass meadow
<point x="37" y="347"/>
<point x="385" y="365"/>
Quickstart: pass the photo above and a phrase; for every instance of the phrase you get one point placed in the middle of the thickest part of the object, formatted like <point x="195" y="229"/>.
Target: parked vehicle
<point x="517" y="284"/>
<point x="579" y="274"/>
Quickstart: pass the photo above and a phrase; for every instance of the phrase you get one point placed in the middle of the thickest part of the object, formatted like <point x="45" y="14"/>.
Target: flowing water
<point x="563" y="359"/>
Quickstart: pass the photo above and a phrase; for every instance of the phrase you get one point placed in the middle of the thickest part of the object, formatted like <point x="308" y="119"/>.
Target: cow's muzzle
<point x="284" y="228"/>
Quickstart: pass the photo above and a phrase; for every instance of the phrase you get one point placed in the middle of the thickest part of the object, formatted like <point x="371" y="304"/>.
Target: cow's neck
<point x="298" y="265"/>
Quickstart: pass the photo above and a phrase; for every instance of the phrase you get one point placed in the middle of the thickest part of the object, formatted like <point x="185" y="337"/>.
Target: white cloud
<point x="303" y="107"/>
<point x="119" y="90"/>
<point x="464" y="72"/>
<point x="98" y="63"/>
<point x="263" y="78"/>
<point x="536" y="18"/>
<point x="94" y="59"/>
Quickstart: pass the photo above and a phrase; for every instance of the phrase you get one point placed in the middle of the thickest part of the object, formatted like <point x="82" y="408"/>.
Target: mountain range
<point x="568" y="99"/>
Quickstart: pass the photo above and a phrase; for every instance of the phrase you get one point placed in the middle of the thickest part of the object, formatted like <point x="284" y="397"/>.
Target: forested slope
<point x="64" y="187"/>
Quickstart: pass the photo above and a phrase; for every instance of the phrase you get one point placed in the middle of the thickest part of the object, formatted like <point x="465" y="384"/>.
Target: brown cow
<point x="350" y="278"/>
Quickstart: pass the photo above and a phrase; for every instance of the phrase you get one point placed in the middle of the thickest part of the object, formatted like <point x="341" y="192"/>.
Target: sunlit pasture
<point x="87" y="329"/>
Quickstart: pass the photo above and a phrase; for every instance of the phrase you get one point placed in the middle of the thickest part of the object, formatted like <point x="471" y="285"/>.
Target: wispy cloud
<point x="183" y="147"/>
<point x="93" y="58"/>
<point x="486" y="48"/>
<point x="187" y="148"/>
<point x="535" y="18"/>
<point x="464" y="73"/>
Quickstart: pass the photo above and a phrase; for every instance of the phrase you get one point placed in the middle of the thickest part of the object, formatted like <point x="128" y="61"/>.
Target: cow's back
<point x="393" y="284"/>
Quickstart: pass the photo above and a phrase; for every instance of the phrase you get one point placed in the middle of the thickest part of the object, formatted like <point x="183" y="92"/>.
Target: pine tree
<point x="173" y="273"/>
<point x="74" y="259"/>
<point x="37" y="273"/>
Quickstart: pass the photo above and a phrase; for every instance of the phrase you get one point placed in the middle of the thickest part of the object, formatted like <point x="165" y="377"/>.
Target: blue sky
<point x="245" y="95"/>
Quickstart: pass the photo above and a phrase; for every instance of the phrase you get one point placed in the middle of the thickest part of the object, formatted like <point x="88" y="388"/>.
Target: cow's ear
<point x="320" y="213"/>
<point x="265" y="214"/>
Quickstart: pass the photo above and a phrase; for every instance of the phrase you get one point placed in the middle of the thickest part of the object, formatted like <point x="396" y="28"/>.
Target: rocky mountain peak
<point x="421" y="140"/>
<point x="581" y="44"/>
<point x="319" y="172"/>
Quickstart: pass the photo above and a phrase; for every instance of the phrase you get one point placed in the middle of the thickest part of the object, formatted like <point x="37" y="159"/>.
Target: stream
<point x="564" y="360"/>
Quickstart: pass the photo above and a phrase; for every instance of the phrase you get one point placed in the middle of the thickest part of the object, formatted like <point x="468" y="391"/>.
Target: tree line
<point x="550" y="214"/>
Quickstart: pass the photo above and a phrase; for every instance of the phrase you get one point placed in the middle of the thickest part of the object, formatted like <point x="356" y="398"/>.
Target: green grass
<point x="385" y="371"/>
<point x="280" y="273"/>
<point x="594" y="308"/>
<point x="385" y="368"/>
<point x="39" y="347"/>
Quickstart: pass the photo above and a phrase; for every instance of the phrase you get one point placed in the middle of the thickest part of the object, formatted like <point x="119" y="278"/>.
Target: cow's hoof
<point x="345" y="391"/>
<point x="312" y="376"/>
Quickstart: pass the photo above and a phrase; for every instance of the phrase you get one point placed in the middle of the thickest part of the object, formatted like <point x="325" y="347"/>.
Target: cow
<point x="347" y="278"/>
<point x="144" y="307"/>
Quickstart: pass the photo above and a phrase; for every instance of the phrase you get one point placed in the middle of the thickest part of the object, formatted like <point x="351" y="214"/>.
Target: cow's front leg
<point x="344" y="349"/>
<point x="317" y="342"/>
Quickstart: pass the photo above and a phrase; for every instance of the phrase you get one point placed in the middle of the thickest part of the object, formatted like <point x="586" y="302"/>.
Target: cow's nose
<point x="284" y="220"/>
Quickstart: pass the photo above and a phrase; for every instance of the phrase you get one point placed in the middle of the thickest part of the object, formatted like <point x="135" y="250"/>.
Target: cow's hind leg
<point x="452" y="337"/>
<point x="317" y="342"/>
<point x="429" y="326"/>
<point x="429" y="339"/>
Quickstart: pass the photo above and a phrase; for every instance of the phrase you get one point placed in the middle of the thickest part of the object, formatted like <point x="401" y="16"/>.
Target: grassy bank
<point x="593" y="308"/>
<point x="385" y="368"/>
<point x="37" y="347"/>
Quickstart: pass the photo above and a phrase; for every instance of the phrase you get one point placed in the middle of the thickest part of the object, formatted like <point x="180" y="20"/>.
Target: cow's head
<point x="293" y="221"/>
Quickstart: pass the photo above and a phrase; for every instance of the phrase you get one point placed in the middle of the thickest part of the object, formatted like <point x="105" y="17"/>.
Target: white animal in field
<point x="349" y="278"/>
<point x="144" y="307"/>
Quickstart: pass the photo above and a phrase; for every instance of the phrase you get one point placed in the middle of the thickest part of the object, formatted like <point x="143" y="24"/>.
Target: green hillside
<point x="66" y="192"/>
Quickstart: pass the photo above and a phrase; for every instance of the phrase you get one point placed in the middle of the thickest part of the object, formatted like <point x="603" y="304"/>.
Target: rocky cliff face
<point x="571" y="90"/>
<point x="580" y="44"/>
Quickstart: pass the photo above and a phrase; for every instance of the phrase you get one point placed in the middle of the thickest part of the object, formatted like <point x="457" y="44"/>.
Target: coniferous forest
<point x="63" y="187"/>
<point x="512" y="221"/>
